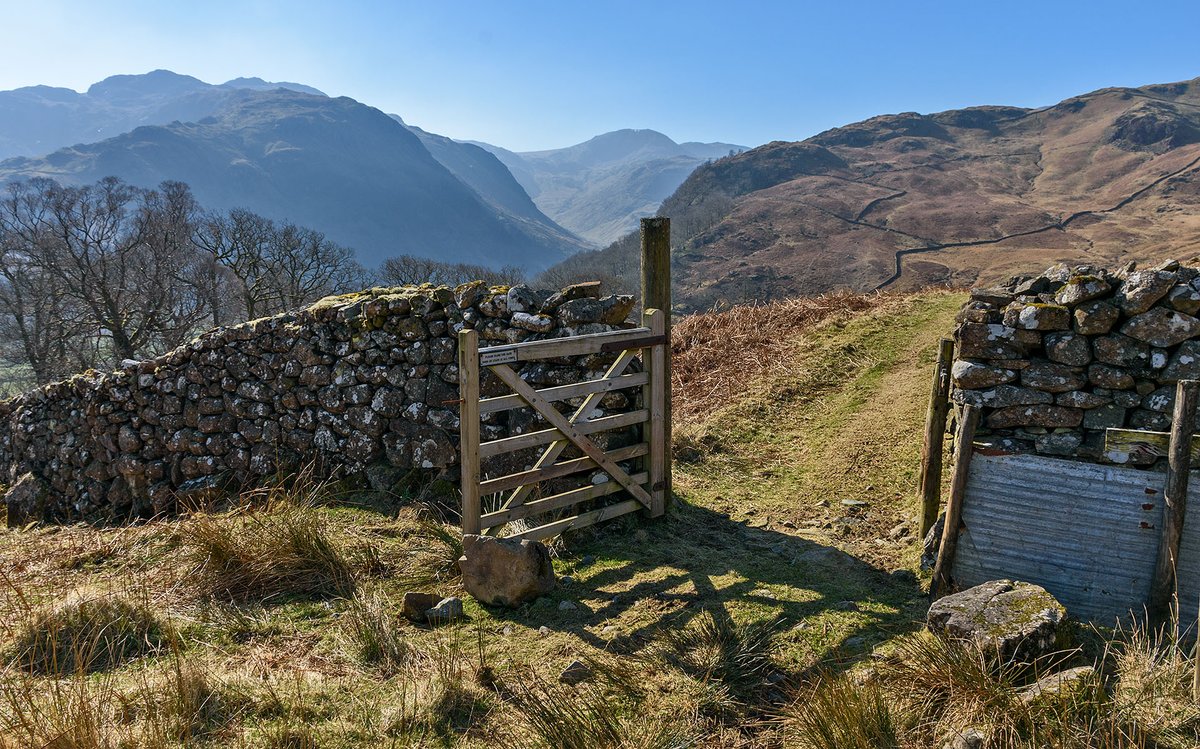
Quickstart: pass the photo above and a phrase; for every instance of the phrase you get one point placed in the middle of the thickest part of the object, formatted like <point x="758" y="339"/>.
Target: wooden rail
<point x="935" y="439"/>
<point x="604" y="472"/>
<point x="1183" y="422"/>
<point x="601" y="470"/>
<point x="964" y="436"/>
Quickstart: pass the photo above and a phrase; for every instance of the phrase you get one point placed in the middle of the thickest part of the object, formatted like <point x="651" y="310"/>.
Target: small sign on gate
<point x="492" y="358"/>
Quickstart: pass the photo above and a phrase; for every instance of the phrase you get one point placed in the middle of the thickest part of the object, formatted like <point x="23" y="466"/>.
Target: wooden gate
<point x="517" y="496"/>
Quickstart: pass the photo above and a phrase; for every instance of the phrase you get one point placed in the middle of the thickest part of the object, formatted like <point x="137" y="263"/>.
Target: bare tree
<point x="306" y="266"/>
<point x="237" y="241"/>
<point x="409" y="270"/>
<point x="101" y="273"/>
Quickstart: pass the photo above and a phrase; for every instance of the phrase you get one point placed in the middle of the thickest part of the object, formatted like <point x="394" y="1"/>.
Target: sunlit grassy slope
<point x="793" y="489"/>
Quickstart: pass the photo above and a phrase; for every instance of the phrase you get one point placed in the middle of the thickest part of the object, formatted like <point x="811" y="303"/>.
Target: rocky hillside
<point x="958" y="197"/>
<point x="335" y="165"/>
<point x="36" y="120"/>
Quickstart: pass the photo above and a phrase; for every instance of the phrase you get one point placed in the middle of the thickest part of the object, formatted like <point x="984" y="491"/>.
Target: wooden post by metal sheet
<point x="468" y="430"/>
<point x="963" y="437"/>
<point x="935" y="439"/>
<point x="657" y="397"/>
<point x="1179" y="458"/>
<point x="656" y="294"/>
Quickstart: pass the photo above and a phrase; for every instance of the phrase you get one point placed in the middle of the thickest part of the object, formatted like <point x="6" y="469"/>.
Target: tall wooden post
<point x="468" y="428"/>
<point x="1179" y="459"/>
<point x="935" y="439"/>
<point x="658" y="461"/>
<point x="656" y="294"/>
<point x="963" y="450"/>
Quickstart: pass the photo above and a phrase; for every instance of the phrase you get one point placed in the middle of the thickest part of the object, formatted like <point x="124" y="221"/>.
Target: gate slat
<point x="581" y="520"/>
<point x="555" y="347"/>
<point x="555" y="501"/>
<point x="565" y="392"/>
<point x="546" y="436"/>
<point x="570" y="431"/>
<point x="558" y="470"/>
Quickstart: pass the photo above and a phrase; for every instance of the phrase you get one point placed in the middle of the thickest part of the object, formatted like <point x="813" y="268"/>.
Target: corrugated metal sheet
<point x="1187" y="573"/>
<point x="1087" y="533"/>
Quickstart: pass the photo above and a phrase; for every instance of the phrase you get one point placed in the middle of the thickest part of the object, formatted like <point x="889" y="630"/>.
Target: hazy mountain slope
<point x="600" y="188"/>
<point x="908" y="200"/>
<point x="38" y="119"/>
<point x="493" y="182"/>
<point x="332" y="164"/>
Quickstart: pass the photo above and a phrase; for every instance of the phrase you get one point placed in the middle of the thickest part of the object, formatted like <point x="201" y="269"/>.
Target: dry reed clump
<point x="839" y="714"/>
<point x="442" y="693"/>
<point x="371" y="633"/>
<point x="170" y="704"/>
<point x="714" y="354"/>
<point x="86" y="634"/>
<point x="432" y="562"/>
<point x="607" y="712"/>
<point x="278" y="544"/>
<point x="730" y="660"/>
<point x="928" y="689"/>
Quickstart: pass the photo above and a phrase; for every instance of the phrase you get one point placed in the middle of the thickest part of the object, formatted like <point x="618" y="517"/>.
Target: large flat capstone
<point x="1017" y="621"/>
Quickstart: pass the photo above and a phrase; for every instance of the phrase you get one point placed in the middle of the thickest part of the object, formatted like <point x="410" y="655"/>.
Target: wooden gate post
<point x="658" y="397"/>
<point x="935" y="439"/>
<point x="963" y="437"/>
<point x="468" y="428"/>
<point x="656" y="294"/>
<point x="1179" y="458"/>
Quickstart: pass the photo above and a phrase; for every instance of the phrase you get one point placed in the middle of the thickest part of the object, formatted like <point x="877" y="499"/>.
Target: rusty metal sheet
<point x="1087" y="533"/>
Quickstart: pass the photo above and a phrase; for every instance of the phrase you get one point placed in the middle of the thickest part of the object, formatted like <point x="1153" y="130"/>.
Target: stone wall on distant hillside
<point x="1056" y="359"/>
<point x="352" y="384"/>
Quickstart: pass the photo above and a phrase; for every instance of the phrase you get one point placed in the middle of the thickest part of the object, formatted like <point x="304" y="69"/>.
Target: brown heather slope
<point x="909" y="200"/>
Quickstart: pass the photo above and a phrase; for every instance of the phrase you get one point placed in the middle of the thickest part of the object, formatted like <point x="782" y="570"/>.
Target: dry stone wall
<point x="359" y="384"/>
<point x="1056" y="359"/>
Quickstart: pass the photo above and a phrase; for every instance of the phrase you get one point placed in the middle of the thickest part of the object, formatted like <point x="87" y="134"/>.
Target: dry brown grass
<point x="715" y="354"/>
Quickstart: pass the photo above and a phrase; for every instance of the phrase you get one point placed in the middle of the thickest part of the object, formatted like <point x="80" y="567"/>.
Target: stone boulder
<point x="1162" y="327"/>
<point x="1017" y="621"/>
<point x="26" y="500"/>
<point x="1062" y="685"/>
<point x="1037" y="316"/>
<point x="969" y="374"/>
<point x="416" y="604"/>
<point x="446" y="611"/>
<point x="505" y="572"/>
<point x="1142" y="289"/>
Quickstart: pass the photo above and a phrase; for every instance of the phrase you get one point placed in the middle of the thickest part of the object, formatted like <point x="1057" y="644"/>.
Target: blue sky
<point x="539" y="74"/>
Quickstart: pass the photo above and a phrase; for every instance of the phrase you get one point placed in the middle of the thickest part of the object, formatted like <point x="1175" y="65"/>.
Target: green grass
<point x="761" y="585"/>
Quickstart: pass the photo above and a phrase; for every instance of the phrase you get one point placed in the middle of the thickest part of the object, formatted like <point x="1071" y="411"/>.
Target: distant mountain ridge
<point x="36" y="120"/>
<point x="521" y="209"/>
<point x="335" y="165"/>
<point x="601" y="187"/>
<point x="959" y="197"/>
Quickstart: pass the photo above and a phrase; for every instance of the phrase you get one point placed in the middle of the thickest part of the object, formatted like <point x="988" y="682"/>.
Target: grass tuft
<point x="839" y="714"/>
<point x="286" y="548"/>
<point x="372" y="635"/>
<point x="87" y="634"/>
<point x="735" y="656"/>
<point x="606" y="714"/>
<point x="432" y="562"/>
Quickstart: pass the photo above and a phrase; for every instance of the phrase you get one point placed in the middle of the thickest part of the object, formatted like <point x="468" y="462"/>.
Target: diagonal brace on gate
<point x="571" y="435"/>
<point x="551" y="453"/>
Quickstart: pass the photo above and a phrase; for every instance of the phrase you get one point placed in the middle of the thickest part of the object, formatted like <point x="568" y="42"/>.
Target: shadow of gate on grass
<point x="650" y="578"/>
